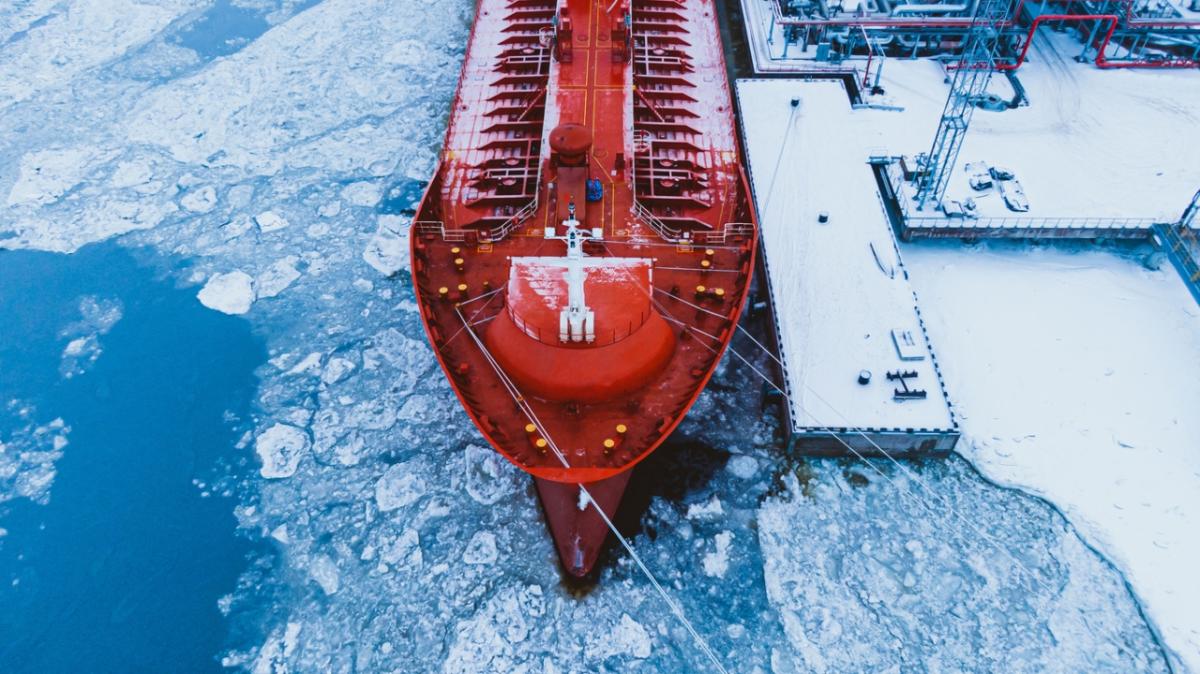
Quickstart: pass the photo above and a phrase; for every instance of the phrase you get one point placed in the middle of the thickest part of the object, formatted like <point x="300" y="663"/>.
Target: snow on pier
<point x="843" y="307"/>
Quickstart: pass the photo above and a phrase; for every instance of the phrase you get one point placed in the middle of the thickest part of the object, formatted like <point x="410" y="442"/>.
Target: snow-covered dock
<point x="956" y="222"/>
<point x="855" y="355"/>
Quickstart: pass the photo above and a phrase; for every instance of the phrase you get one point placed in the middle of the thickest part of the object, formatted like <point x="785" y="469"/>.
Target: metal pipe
<point x="957" y="22"/>
<point x="936" y="7"/>
<point x="870" y="55"/>
<point x="1101" y="57"/>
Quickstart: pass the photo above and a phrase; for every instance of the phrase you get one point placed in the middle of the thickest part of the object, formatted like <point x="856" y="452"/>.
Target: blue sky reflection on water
<point x="123" y="568"/>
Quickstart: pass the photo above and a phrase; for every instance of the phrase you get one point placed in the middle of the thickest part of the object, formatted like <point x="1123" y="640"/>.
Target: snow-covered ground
<point x="841" y="298"/>
<point x="1077" y="377"/>
<point x="1093" y="143"/>
<point x="404" y="544"/>
<point x="1090" y="144"/>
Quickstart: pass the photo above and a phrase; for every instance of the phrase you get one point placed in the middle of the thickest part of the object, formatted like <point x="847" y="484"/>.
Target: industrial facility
<point x="1116" y="34"/>
<point x="877" y="123"/>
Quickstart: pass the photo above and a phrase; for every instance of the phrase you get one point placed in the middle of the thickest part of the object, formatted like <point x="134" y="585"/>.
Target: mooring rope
<point x="915" y="477"/>
<point x="523" y="404"/>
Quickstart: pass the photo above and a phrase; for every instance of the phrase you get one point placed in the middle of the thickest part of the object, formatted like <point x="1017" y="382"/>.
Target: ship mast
<point x="576" y="323"/>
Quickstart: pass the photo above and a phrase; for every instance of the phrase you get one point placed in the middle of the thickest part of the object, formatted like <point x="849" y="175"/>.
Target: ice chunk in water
<point x="401" y="485"/>
<point x="280" y="448"/>
<point x="231" y="293"/>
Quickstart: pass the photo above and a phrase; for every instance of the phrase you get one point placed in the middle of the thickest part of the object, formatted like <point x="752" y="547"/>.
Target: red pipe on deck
<point x="1101" y="60"/>
<point x="957" y="22"/>
<point x="960" y="22"/>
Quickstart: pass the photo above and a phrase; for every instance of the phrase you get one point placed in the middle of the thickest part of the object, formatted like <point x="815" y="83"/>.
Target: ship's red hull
<point x="579" y="532"/>
<point x="585" y="248"/>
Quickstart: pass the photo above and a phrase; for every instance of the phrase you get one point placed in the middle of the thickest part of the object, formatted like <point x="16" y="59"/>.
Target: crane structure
<point x="967" y="84"/>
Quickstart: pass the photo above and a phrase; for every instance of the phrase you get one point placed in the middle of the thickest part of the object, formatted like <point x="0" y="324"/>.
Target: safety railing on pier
<point x="1014" y="226"/>
<point x="1019" y="223"/>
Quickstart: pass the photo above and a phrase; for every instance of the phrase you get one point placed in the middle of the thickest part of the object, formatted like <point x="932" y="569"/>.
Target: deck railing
<point x="492" y="235"/>
<point x="1014" y="225"/>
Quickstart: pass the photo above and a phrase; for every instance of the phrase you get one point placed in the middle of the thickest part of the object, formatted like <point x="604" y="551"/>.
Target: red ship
<point x="584" y="250"/>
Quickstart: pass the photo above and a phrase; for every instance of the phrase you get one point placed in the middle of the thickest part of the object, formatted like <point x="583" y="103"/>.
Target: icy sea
<point x="226" y="446"/>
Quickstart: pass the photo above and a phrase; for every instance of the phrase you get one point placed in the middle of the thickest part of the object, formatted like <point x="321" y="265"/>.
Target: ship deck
<point x="664" y="149"/>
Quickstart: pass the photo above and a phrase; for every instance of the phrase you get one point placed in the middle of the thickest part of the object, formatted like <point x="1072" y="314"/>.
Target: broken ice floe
<point x="280" y="449"/>
<point x="28" y="453"/>
<point x="387" y="251"/>
<point x="269" y="221"/>
<point x="281" y="274"/>
<point x="199" y="200"/>
<point x="490" y="477"/>
<point x="716" y="563"/>
<point x="481" y="549"/>
<point x="230" y="293"/>
<point x="865" y="577"/>
<point x="324" y="571"/>
<point x="399" y="486"/>
<point x="98" y="316"/>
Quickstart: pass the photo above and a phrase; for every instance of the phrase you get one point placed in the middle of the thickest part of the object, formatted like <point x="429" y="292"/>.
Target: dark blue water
<point x="225" y="28"/>
<point x="122" y="570"/>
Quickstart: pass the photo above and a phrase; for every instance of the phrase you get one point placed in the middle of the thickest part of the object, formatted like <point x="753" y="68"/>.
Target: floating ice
<point x="270" y="221"/>
<point x="362" y="193"/>
<point x="401" y="485"/>
<point x="281" y="274"/>
<point x="711" y="509"/>
<point x="280" y="448"/>
<point x="78" y="354"/>
<point x="742" y="466"/>
<point x="307" y="365"/>
<point x="627" y="637"/>
<point x="481" y="549"/>
<point x="486" y="642"/>
<point x="200" y="200"/>
<point x="272" y="657"/>
<point x="490" y="478"/>
<point x="98" y="316"/>
<point x="77" y="38"/>
<point x="324" y="571"/>
<point x="336" y="370"/>
<point x="387" y="251"/>
<point x="330" y="210"/>
<point x="231" y="293"/>
<point x="716" y="563"/>
<point x="47" y="175"/>
<point x="850" y="558"/>
<point x="404" y="549"/>
<point x="28" y="454"/>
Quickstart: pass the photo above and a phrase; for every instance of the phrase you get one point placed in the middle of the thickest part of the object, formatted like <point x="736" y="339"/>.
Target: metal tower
<point x="971" y="76"/>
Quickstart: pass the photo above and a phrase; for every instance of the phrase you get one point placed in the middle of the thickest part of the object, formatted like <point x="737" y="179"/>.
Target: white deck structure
<point x="839" y="288"/>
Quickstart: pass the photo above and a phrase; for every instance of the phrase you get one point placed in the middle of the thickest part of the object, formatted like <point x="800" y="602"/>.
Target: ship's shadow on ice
<point x="681" y="466"/>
